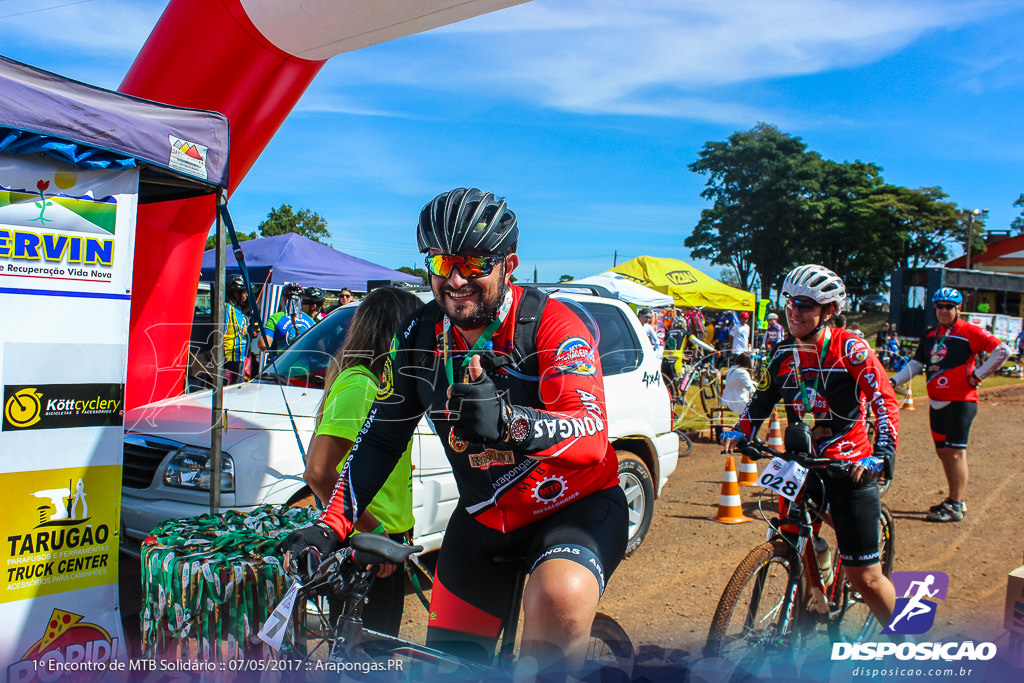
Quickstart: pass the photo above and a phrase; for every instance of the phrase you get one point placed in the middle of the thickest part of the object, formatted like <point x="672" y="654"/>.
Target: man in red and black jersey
<point x="523" y="422"/>
<point x="826" y="377"/>
<point x="946" y="354"/>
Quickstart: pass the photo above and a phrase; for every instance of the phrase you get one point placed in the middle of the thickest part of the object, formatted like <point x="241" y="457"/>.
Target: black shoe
<point x="963" y="505"/>
<point x="947" y="512"/>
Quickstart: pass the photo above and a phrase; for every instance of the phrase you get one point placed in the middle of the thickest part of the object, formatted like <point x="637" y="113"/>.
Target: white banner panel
<point x="66" y="249"/>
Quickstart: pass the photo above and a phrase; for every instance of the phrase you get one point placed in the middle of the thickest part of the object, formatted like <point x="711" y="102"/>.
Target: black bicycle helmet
<point x="464" y="219"/>
<point x="313" y="295"/>
<point x="235" y="283"/>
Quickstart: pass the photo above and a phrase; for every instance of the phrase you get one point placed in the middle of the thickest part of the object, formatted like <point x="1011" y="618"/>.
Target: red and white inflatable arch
<point x="250" y="60"/>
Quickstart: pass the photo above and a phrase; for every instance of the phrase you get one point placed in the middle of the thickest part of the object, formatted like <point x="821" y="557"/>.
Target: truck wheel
<point x="635" y="481"/>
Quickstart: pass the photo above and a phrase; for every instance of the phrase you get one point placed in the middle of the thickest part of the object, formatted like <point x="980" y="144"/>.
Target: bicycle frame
<point x="348" y="577"/>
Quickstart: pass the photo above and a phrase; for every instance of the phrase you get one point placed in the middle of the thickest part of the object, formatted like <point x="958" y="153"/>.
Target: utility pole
<point x="971" y="213"/>
<point x="615" y="258"/>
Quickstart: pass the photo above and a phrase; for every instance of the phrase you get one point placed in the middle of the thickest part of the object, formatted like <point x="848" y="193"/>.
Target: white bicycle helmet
<point x="817" y="283"/>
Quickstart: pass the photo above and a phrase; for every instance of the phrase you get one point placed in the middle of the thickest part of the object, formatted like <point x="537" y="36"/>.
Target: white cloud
<point x="654" y="58"/>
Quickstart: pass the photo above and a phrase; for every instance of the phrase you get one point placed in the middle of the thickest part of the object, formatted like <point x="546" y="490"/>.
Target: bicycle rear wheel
<point x="856" y="623"/>
<point x="710" y="394"/>
<point x="756" y="614"/>
<point x="610" y="650"/>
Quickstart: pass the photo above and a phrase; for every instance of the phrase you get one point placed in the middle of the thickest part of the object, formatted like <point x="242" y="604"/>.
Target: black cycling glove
<point x="317" y="535"/>
<point x="480" y="413"/>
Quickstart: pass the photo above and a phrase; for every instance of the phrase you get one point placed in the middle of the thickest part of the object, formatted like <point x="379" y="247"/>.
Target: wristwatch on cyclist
<point x="518" y="429"/>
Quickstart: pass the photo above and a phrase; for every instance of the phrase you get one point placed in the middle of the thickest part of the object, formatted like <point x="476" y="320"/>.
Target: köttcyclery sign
<point x="66" y="249"/>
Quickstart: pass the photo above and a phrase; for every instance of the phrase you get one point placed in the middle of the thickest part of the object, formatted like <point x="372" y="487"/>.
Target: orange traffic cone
<point x="748" y="472"/>
<point x="729" y="509"/>
<point x="775" y="432"/>
<point x="908" y="400"/>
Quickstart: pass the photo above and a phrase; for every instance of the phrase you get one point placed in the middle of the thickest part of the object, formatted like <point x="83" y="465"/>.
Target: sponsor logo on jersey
<point x="387" y="381"/>
<point x="857" y="350"/>
<point x="489" y="457"/>
<point x="575" y="356"/>
<point x="549" y="489"/>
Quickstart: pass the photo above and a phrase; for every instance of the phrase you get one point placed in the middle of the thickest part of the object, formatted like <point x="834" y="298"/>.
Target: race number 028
<point x="784" y="478"/>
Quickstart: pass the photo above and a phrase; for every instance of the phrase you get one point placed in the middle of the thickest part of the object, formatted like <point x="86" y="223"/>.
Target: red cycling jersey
<point x="947" y="355"/>
<point x="566" y="456"/>
<point x="838" y="382"/>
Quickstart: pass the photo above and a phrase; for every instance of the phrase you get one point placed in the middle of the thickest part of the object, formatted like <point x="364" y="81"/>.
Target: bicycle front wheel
<point x="756" y="612"/>
<point x="856" y="623"/>
<point x="610" y="650"/>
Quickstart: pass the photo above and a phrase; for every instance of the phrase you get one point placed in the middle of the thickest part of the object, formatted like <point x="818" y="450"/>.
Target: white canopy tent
<point x="627" y="290"/>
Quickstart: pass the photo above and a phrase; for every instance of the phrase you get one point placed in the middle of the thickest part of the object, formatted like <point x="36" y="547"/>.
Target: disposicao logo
<point x="915" y="610"/>
<point x="916" y="602"/>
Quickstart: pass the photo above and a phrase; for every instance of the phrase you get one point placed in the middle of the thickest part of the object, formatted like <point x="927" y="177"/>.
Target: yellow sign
<point x="61" y="530"/>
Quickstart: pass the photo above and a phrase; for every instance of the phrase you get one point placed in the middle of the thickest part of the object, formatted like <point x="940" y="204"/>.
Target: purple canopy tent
<point x="294" y="258"/>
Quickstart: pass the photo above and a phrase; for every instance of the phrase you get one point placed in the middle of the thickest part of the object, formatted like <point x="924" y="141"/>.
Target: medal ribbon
<point x="481" y="343"/>
<point x="939" y="344"/>
<point x="805" y="397"/>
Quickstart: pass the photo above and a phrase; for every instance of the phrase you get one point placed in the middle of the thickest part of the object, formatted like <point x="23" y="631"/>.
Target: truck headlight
<point x="189" y="468"/>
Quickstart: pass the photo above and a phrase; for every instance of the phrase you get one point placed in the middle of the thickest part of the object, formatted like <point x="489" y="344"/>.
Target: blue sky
<point x="585" y="113"/>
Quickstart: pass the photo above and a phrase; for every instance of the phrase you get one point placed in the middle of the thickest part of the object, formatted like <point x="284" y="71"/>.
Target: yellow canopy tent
<point x="684" y="283"/>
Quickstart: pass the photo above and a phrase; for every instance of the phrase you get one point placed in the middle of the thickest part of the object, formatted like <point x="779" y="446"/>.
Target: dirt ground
<point x="665" y="594"/>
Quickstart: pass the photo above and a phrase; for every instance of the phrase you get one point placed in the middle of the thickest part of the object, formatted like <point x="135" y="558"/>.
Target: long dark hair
<point x="369" y="337"/>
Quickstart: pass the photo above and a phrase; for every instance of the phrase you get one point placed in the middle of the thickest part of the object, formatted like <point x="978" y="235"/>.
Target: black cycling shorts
<point x="475" y="581"/>
<point x="952" y="425"/>
<point x="855" y="509"/>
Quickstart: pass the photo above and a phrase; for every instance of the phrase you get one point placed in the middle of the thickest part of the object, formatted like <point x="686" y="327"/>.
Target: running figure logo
<point x="917" y="593"/>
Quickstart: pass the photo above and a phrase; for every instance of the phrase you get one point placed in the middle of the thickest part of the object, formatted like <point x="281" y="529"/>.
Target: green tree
<point x="920" y="228"/>
<point x="421" y="273"/>
<point x="211" y="241"/>
<point x="566" y="278"/>
<point x="763" y="185"/>
<point x="846" y="234"/>
<point x="284" y="219"/>
<point x="1017" y="223"/>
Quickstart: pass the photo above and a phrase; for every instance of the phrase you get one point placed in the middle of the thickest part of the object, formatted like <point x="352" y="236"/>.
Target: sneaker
<point x="936" y="508"/>
<point x="947" y="512"/>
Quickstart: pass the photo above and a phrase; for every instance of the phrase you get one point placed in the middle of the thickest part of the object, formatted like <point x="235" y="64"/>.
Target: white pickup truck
<point x="167" y="443"/>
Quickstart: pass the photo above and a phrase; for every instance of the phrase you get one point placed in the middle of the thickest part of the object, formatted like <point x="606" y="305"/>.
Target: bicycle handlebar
<point x="757" y="450"/>
<point x="364" y="550"/>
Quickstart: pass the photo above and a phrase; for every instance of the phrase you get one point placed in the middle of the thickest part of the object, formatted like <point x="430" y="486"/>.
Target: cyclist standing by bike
<point x="946" y="354"/>
<point x="826" y="377"/>
<point x="524" y="433"/>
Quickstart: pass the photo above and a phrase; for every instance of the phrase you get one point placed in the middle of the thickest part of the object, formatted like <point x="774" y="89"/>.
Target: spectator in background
<point x="288" y="324"/>
<point x="345" y="297"/>
<point x="983" y="307"/>
<point x="855" y="329"/>
<point x="236" y="326"/>
<point x="893" y="349"/>
<point x="882" y="337"/>
<point x="313" y="303"/>
<point x="652" y="335"/>
<point x="839" y="321"/>
<point x="774" y="334"/>
<point x="1018" y="346"/>
<point x="739" y="335"/>
<point x="739" y="385"/>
